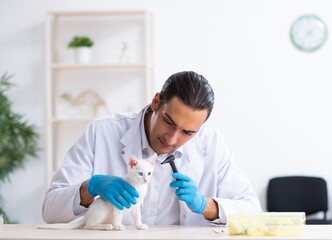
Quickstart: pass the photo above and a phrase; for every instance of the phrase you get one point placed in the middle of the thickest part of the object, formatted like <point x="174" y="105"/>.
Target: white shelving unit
<point x="116" y="80"/>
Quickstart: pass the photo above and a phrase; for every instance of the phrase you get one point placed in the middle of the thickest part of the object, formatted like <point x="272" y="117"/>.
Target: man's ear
<point x="155" y="101"/>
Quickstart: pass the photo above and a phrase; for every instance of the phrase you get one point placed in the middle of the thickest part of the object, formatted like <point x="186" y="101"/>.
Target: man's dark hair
<point x="193" y="89"/>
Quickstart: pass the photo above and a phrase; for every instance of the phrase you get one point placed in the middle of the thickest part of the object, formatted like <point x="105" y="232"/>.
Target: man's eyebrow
<point x="169" y="118"/>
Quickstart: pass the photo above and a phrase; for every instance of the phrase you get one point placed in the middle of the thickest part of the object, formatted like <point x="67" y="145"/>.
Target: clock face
<point x="308" y="33"/>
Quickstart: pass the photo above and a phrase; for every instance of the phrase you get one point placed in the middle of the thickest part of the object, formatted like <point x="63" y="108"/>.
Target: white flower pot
<point x="82" y="55"/>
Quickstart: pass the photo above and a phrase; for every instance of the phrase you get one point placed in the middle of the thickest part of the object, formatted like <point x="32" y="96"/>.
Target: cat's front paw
<point x="108" y="227"/>
<point x="119" y="227"/>
<point x="142" y="226"/>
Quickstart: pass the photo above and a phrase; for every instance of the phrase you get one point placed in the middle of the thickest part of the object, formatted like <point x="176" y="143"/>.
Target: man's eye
<point x="167" y="121"/>
<point x="187" y="133"/>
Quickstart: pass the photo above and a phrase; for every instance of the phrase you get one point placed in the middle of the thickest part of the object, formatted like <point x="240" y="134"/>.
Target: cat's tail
<point x="76" y="223"/>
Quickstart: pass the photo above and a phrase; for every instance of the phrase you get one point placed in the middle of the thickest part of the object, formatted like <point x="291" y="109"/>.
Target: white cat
<point x="103" y="215"/>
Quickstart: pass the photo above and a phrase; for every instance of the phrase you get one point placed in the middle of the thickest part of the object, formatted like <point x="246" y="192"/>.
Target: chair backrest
<point x="297" y="194"/>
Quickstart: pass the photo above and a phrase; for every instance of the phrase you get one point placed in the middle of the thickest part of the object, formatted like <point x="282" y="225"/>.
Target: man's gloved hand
<point x="188" y="192"/>
<point x="114" y="189"/>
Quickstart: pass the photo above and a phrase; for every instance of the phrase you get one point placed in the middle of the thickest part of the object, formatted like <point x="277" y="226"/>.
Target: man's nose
<point x="172" y="137"/>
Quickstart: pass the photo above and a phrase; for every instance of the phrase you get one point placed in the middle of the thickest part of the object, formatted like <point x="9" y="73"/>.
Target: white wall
<point x="273" y="101"/>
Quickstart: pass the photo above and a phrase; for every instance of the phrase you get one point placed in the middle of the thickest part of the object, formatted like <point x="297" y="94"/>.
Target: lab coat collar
<point x="144" y="140"/>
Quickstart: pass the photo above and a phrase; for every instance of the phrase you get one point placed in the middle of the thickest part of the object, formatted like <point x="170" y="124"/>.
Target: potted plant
<point x="18" y="138"/>
<point x="82" y="48"/>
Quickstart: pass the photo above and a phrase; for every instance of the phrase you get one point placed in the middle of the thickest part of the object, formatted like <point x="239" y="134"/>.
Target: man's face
<point x="172" y="125"/>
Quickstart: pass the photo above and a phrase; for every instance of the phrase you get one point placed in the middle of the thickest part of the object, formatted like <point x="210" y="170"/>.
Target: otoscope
<point x="170" y="159"/>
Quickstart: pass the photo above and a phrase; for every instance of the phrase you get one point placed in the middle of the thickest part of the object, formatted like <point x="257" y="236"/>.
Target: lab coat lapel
<point x="132" y="140"/>
<point x="192" y="165"/>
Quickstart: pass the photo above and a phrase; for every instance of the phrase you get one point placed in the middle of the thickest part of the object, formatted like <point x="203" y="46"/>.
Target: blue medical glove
<point x="188" y="192"/>
<point x="114" y="189"/>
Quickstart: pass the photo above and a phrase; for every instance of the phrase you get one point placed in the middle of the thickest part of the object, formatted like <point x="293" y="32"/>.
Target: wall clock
<point x="308" y="33"/>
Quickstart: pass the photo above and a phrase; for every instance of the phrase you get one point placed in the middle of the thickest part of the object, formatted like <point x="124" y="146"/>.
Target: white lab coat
<point x="108" y="142"/>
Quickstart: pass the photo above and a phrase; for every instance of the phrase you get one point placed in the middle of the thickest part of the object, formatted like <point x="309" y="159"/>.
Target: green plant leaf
<point x="18" y="138"/>
<point x="80" y="41"/>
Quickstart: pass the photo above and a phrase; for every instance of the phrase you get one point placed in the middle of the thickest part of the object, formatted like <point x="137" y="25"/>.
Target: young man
<point x="208" y="187"/>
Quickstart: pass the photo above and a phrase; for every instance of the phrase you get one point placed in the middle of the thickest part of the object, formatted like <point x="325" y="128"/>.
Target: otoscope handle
<point x="174" y="169"/>
<point x="170" y="159"/>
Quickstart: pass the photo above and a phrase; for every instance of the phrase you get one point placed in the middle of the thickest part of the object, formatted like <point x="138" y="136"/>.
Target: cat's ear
<point x="132" y="161"/>
<point x="152" y="159"/>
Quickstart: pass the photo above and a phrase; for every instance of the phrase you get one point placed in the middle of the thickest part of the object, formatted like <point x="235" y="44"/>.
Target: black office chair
<point x="299" y="194"/>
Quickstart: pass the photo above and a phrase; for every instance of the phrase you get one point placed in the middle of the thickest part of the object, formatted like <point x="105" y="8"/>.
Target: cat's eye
<point x="149" y="173"/>
<point x="140" y="174"/>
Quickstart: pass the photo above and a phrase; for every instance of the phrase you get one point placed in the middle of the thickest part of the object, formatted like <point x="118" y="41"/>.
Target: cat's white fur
<point x="103" y="215"/>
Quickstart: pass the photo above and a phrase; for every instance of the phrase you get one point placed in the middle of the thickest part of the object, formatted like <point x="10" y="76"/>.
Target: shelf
<point x="138" y="13"/>
<point x="72" y="120"/>
<point x="116" y="79"/>
<point x="115" y="67"/>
